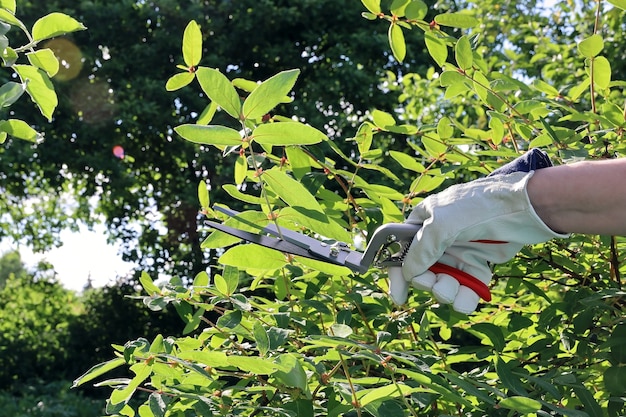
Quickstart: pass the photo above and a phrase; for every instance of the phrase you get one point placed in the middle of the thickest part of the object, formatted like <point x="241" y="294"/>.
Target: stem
<point x="615" y="274"/>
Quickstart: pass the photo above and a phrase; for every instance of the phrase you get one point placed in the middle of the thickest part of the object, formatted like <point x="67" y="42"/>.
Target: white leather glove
<point x="469" y="226"/>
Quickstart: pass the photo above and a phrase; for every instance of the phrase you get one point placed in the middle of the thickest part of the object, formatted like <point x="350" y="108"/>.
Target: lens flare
<point x="118" y="151"/>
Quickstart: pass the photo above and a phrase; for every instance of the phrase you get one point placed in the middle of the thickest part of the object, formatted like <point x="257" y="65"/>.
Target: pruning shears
<point x="387" y="247"/>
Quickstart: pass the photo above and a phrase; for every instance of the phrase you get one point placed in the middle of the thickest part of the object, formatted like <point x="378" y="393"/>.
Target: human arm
<point x="585" y="197"/>
<point x="487" y="221"/>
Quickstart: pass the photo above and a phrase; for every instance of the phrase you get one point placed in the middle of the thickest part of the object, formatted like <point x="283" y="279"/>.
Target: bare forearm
<point x="584" y="197"/>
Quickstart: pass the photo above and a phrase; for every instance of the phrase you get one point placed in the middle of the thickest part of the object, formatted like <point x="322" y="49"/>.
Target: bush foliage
<point x="269" y="334"/>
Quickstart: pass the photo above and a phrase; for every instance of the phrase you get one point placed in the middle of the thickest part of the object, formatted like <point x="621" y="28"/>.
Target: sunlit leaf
<point x="20" y="129"/>
<point x="8" y="4"/>
<point x="256" y="365"/>
<point x="407" y="161"/>
<point x="372" y="5"/>
<point x="457" y="20"/>
<point x="45" y="60"/>
<point x="385" y="392"/>
<point x="97" y="370"/>
<point x="521" y="404"/>
<point x="39" y="88"/>
<point x="209" y="135"/>
<point x="269" y="94"/>
<point x="291" y="191"/>
<point x="142" y="372"/>
<point x="416" y="10"/>
<point x="253" y="257"/>
<point x="192" y="44"/>
<point x="148" y="285"/>
<point x="9" y="17"/>
<point x="445" y="129"/>
<point x="396" y="41"/>
<point x="620" y="4"/>
<point x="220" y="90"/>
<point x="463" y="53"/>
<point x="287" y="133"/>
<point x="601" y="72"/>
<point x="180" y="80"/>
<point x="203" y="195"/>
<point x="436" y="47"/>
<point x="55" y="24"/>
<point x="591" y="46"/>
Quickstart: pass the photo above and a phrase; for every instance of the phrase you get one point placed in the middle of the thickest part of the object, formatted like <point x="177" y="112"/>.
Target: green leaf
<point x="340" y="330"/>
<point x="194" y="321"/>
<point x="8" y="17"/>
<point x="493" y="333"/>
<point x="20" y="129"/>
<point x="601" y="72"/>
<point x="456" y="20"/>
<point x="372" y="5"/>
<point x="255" y="365"/>
<point x="396" y="41"/>
<point x="385" y="392"/>
<point x="397" y="7"/>
<point x="203" y="195"/>
<point x="407" y="161"/>
<point x="45" y="60"/>
<point x="220" y="90"/>
<point x="416" y="10"/>
<point x="148" y="285"/>
<point x="620" y="4"/>
<point x="39" y="88"/>
<point x="291" y="191"/>
<point x="230" y="319"/>
<point x="231" y="279"/>
<point x="382" y="119"/>
<point x="292" y="373"/>
<point x="522" y="405"/>
<point x="591" y="46"/>
<point x="463" y="53"/>
<point x="97" y="370"/>
<point x="591" y="406"/>
<point x="192" y="44"/>
<point x="254" y="257"/>
<point x="8" y="4"/>
<point x="209" y="135"/>
<point x="436" y="48"/>
<point x="213" y="359"/>
<point x="142" y="372"/>
<point x="241" y="169"/>
<point x="287" y="133"/>
<point x="207" y="114"/>
<point x="615" y="380"/>
<point x="180" y="80"/>
<point x="298" y="160"/>
<point x="269" y="94"/>
<point x="55" y="24"/>
<point x="201" y="279"/>
<point x="445" y="130"/>
<point x="261" y="337"/>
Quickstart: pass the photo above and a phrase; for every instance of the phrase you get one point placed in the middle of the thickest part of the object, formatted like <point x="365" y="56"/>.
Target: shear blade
<point x="265" y="241"/>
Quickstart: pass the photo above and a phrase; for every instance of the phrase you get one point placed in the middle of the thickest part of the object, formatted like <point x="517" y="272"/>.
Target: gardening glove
<point x="468" y="227"/>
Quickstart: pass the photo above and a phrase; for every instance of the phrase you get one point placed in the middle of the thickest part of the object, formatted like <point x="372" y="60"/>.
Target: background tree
<point x="111" y="93"/>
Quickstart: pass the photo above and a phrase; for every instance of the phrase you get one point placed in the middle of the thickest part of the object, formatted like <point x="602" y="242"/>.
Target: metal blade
<point x="266" y="241"/>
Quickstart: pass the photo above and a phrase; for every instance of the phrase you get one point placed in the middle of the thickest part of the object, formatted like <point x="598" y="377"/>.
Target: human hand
<point x="469" y="226"/>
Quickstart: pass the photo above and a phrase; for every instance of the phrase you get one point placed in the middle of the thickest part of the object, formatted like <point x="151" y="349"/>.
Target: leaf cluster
<point x="280" y="335"/>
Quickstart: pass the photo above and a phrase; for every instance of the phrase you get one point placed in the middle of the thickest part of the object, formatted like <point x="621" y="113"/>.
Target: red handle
<point x="464" y="278"/>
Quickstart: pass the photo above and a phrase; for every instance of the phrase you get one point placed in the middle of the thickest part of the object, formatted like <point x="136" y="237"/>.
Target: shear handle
<point x="464" y="279"/>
